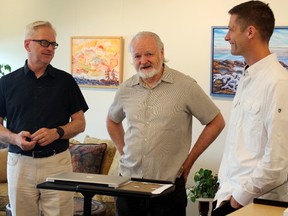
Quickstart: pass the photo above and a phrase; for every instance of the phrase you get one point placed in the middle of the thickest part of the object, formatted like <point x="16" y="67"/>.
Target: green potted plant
<point x="4" y="68"/>
<point x="204" y="189"/>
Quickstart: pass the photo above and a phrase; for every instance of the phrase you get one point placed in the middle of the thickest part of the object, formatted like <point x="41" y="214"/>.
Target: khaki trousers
<point x="24" y="173"/>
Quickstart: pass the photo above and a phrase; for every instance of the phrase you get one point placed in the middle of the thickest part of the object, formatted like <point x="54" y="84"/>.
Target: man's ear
<point x="251" y="30"/>
<point x="26" y="45"/>
<point x="162" y="53"/>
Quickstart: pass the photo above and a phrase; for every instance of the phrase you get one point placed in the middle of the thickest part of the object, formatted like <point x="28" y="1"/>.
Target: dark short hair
<point x="255" y="13"/>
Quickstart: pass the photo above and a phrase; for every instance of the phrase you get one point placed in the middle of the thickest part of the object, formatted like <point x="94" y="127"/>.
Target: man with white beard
<point x="158" y="104"/>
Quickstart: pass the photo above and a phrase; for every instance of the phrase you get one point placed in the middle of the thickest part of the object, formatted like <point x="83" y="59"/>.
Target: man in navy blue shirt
<point x="44" y="107"/>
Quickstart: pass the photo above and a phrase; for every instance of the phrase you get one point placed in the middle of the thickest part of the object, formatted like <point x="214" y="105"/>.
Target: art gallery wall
<point x="183" y="25"/>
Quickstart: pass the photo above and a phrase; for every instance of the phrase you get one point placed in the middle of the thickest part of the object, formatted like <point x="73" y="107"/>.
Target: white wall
<point x="183" y="25"/>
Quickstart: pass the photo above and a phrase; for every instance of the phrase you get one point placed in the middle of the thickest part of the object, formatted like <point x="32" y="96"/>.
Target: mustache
<point x="145" y="66"/>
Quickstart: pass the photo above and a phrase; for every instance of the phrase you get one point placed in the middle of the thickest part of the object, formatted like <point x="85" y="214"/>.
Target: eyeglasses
<point x="45" y="43"/>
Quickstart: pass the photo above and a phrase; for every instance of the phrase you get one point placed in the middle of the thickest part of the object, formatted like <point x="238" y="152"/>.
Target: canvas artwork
<point x="227" y="69"/>
<point x="97" y="61"/>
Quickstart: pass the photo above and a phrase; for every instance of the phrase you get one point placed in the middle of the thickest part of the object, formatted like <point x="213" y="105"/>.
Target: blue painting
<point x="226" y="69"/>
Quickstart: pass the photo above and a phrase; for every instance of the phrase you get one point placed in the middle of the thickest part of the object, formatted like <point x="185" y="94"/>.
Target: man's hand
<point x="24" y="141"/>
<point x="185" y="171"/>
<point x="234" y="204"/>
<point x="45" y="136"/>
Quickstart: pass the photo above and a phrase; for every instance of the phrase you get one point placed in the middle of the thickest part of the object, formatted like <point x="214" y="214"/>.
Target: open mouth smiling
<point x="145" y="67"/>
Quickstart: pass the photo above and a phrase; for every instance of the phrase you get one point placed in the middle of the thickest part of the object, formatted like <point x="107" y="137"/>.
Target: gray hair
<point x="144" y="34"/>
<point x="31" y="28"/>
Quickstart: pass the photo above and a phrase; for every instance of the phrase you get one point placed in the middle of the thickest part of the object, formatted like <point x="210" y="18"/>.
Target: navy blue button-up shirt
<point x="29" y="103"/>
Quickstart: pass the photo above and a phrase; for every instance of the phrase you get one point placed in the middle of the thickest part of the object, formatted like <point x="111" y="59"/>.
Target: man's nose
<point x="227" y="37"/>
<point x="143" y="59"/>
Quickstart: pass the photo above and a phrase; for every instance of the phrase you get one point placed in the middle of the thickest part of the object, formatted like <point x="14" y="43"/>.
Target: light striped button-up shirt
<point x="159" y="123"/>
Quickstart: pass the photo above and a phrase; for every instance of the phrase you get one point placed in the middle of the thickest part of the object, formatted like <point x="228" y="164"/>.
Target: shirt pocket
<point x="235" y="113"/>
<point x="252" y="124"/>
<point x="251" y="107"/>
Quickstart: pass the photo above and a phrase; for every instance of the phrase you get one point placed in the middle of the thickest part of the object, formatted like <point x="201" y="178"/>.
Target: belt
<point x="41" y="154"/>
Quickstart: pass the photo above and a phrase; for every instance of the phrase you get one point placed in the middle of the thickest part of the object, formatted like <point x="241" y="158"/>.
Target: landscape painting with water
<point x="227" y="69"/>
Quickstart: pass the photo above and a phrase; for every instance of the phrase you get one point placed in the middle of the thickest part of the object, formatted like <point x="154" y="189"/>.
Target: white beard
<point x="147" y="75"/>
<point x="150" y="74"/>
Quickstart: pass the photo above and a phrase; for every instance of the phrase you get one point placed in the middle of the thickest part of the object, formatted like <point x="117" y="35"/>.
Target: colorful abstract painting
<point x="97" y="61"/>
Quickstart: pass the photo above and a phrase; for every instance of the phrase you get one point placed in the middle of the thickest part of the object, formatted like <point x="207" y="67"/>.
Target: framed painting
<point x="97" y="61"/>
<point x="226" y="69"/>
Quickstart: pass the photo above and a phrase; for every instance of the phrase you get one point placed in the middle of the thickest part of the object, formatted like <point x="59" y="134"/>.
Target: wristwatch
<point x="60" y="131"/>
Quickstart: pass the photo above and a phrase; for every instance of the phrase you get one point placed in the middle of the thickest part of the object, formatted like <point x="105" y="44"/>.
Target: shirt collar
<point x="257" y="67"/>
<point x="49" y="70"/>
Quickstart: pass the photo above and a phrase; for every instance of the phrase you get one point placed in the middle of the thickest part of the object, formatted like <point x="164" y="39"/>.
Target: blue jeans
<point x="173" y="204"/>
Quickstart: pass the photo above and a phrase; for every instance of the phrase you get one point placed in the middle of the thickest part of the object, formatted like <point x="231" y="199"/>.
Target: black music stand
<point x="90" y="190"/>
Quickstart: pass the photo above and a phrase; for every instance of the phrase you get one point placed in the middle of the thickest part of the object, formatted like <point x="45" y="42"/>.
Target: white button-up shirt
<point x="255" y="158"/>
